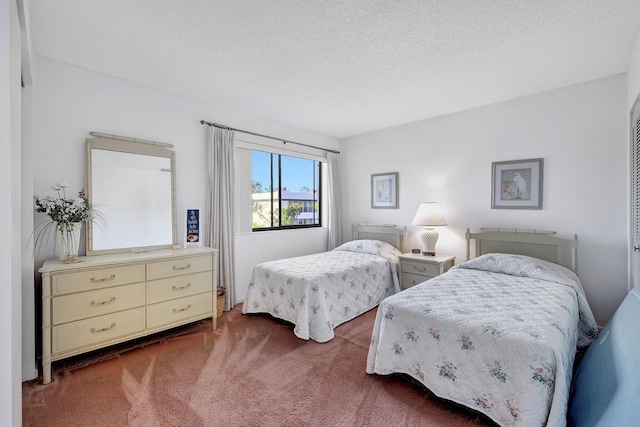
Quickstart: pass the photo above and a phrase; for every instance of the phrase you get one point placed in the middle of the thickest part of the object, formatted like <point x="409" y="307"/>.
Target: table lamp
<point x="429" y="215"/>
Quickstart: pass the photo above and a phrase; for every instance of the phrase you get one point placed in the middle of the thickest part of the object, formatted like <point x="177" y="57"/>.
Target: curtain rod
<point x="284" y="141"/>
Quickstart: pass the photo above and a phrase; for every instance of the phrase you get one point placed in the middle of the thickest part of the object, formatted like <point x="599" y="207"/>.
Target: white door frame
<point x="634" y="119"/>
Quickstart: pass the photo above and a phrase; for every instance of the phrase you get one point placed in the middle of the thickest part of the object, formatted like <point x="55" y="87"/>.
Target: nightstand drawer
<point x="417" y="267"/>
<point x="409" y="279"/>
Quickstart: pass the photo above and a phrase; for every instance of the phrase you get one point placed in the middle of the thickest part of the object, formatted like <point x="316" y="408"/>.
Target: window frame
<point x="319" y="191"/>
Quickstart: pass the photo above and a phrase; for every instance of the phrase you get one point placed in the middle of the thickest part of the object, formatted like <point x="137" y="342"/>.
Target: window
<point x="285" y="191"/>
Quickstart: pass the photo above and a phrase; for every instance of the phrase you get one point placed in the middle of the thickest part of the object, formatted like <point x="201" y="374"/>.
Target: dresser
<point x="417" y="268"/>
<point x="109" y="299"/>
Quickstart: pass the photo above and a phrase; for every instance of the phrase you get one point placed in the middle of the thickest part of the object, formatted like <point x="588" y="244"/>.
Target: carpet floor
<point x="251" y="371"/>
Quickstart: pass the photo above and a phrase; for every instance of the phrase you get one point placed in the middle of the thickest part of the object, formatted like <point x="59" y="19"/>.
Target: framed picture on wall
<point x="517" y="184"/>
<point x="384" y="190"/>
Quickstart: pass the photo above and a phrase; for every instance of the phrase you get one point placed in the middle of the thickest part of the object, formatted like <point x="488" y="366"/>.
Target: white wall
<point x="29" y="366"/>
<point x="70" y="101"/>
<point x="10" y="250"/>
<point x="579" y="131"/>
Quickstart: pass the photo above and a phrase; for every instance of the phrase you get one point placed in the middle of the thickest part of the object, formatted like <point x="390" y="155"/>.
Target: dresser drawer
<point x="83" y="305"/>
<point x="179" y="309"/>
<point x="97" y="330"/>
<point x="416" y="267"/>
<point x="178" y="266"/>
<point x="179" y="286"/>
<point x="407" y="280"/>
<point x="96" y="279"/>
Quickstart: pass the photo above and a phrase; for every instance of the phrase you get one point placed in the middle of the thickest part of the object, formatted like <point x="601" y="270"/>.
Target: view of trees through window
<point x="285" y="191"/>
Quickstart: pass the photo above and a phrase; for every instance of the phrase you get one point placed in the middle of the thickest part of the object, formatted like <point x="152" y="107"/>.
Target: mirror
<point x="132" y="186"/>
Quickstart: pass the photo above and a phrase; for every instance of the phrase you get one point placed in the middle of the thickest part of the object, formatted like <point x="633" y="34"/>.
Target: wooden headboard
<point x="535" y="243"/>
<point x="386" y="232"/>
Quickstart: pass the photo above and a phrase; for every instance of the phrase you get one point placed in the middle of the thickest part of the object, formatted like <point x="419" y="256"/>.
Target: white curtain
<point x="243" y="212"/>
<point x="334" y="212"/>
<point x="220" y="208"/>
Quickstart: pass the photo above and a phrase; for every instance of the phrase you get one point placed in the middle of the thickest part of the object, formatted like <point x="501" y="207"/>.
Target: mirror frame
<point x="132" y="148"/>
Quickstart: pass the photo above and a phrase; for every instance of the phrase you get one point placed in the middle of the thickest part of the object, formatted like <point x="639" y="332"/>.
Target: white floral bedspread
<point x="319" y="292"/>
<point x="497" y="334"/>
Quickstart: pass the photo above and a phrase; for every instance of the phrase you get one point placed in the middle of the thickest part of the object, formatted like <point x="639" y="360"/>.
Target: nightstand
<point x="416" y="268"/>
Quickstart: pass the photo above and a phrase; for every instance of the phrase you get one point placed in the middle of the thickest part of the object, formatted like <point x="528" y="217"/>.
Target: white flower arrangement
<point x="64" y="212"/>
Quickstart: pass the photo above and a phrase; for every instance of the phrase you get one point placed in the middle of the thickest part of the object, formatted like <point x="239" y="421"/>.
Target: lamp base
<point x="429" y="237"/>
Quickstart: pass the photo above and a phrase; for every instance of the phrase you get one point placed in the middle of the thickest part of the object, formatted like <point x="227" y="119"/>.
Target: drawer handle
<point x="179" y="288"/>
<point x="98" y="304"/>
<point x="420" y="269"/>
<point x="106" y="279"/>
<point x="178" y="310"/>
<point x="175" y="268"/>
<point x="97" y="331"/>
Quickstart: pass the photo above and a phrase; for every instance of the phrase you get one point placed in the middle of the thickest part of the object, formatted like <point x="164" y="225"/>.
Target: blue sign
<point x="193" y="225"/>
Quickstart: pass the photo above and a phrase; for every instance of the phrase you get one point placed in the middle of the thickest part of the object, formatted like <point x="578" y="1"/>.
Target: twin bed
<point x="321" y="291"/>
<point x="497" y="333"/>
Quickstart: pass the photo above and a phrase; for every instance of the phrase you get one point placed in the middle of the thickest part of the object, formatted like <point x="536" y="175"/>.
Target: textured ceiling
<point x="342" y="68"/>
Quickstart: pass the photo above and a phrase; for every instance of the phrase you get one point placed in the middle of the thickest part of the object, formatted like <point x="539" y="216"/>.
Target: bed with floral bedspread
<point x="497" y="334"/>
<point x="321" y="291"/>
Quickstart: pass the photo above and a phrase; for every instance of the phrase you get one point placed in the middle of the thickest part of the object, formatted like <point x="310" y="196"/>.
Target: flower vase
<point x="68" y="241"/>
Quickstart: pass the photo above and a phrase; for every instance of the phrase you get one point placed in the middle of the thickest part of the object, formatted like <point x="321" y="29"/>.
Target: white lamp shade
<point x="429" y="215"/>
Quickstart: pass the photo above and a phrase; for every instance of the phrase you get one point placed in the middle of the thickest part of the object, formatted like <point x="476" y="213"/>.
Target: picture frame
<point x="517" y="184"/>
<point x="384" y="190"/>
<point x="192" y="236"/>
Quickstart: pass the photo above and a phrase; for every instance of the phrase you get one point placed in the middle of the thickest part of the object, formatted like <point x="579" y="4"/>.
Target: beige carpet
<point x="252" y="371"/>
